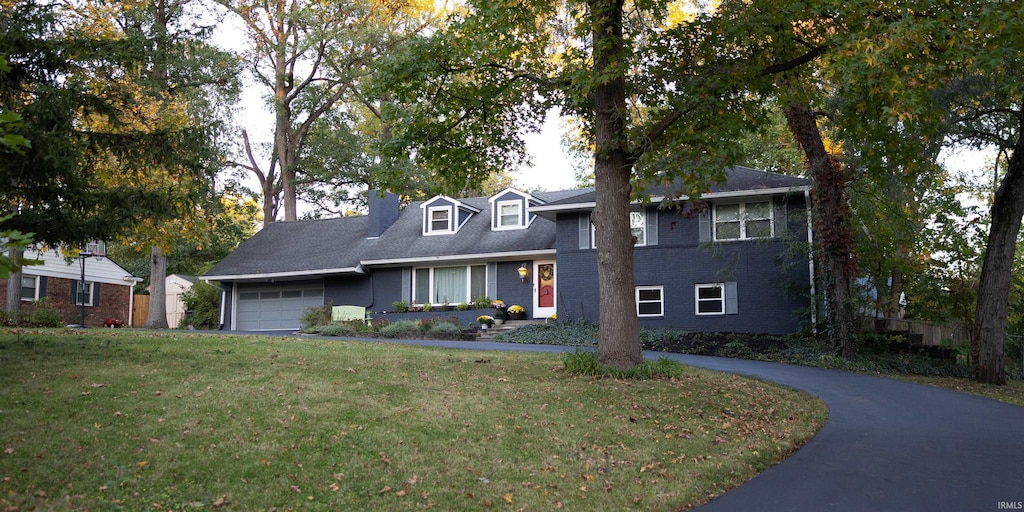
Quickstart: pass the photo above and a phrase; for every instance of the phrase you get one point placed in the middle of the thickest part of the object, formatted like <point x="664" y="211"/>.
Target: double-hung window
<point x="743" y="221"/>
<point x="650" y="301"/>
<point x="509" y="214"/>
<point x="440" y="220"/>
<point x="29" y="288"/>
<point x="451" y="285"/>
<point x="83" y="293"/>
<point x="637" y="227"/>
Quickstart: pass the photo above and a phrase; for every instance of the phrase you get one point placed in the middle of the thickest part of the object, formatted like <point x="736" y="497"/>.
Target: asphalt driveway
<point x="887" y="445"/>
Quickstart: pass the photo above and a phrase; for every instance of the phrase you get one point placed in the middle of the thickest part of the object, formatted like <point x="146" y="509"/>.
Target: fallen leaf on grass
<point x="220" y="502"/>
<point x="402" y="493"/>
<point x="385" y="490"/>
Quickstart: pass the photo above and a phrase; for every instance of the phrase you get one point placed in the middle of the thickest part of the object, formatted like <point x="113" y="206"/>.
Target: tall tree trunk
<point x="14" y="282"/>
<point x="833" y="230"/>
<point x="157" y="317"/>
<point x="269" y="201"/>
<point x="619" y="339"/>
<point x="284" y="86"/>
<point x="997" y="271"/>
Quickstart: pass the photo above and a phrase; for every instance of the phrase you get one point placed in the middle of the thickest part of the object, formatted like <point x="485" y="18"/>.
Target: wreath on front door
<point x="547" y="272"/>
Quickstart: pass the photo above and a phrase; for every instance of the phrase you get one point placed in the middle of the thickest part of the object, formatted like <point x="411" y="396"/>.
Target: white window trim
<point x="496" y="224"/>
<point x="660" y="302"/>
<point x="643" y="214"/>
<point x="36" y="289"/>
<point x="743" y="222"/>
<point x="469" y="283"/>
<point x="78" y="285"/>
<point x="697" y="300"/>
<point x="429" y="227"/>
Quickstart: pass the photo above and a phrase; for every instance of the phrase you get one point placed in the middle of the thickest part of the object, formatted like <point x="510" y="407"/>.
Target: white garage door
<point x="279" y="307"/>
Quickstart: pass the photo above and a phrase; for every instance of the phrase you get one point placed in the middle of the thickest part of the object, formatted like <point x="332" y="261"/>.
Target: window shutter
<point x="705" y="225"/>
<point x="731" y="308"/>
<point x="42" y="286"/>
<point x="584" y="231"/>
<point x="780" y="219"/>
<point x="95" y="294"/>
<point x="407" y="285"/>
<point x="492" y="280"/>
<point x="652" y="226"/>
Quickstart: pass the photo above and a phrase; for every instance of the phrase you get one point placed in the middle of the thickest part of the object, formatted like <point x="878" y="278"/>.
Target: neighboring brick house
<point x="107" y="291"/>
<point x="738" y="264"/>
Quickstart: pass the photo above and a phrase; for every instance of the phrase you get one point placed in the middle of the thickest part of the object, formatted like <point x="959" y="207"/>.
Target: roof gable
<point x="443" y="215"/>
<point x="98" y="269"/>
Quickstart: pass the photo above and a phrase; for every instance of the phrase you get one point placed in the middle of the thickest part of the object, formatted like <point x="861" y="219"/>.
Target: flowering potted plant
<point x="485" y="321"/>
<point x="500" y="314"/>
<point x="517" y="312"/>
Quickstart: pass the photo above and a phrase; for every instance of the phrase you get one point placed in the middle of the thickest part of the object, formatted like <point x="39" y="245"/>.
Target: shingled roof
<point x="304" y="248"/>
<point x="737" y="179"/>
<point x="301" y="247"/>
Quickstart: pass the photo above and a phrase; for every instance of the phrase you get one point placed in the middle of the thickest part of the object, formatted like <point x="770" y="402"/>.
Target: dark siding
<point x="771" y="277"/>
<point x="349" y="291"/>
<point x="513" y="290"/>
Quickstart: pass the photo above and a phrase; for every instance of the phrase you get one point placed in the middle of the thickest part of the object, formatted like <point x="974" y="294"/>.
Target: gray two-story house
<point x="736" y="261"/>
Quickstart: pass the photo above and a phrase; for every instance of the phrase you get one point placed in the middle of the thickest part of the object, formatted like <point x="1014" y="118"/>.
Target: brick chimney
<point x="383" y="212"/>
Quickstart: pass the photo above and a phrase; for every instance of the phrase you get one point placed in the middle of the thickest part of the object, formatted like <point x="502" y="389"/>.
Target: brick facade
<point x="114" y="301"/>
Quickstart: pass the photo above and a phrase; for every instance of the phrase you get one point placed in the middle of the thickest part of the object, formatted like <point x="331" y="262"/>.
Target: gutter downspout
<point x="810" y="263"/>
<point x="132" y="281"/>
<point x="223" y="303"/>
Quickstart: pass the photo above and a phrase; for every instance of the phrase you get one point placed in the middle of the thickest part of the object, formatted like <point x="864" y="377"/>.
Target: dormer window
<point x="441" y="219"/>
<point x="510" y="210"/>
<point x="443" y="215"/>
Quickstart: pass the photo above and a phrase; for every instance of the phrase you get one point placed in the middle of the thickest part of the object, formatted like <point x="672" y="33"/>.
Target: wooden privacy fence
<point x="919" y="332"/>
<point x="140" y="310"/>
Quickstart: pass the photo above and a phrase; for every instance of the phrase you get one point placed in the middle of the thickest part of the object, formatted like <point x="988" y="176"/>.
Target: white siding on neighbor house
<point x="275" y="307"/>
<point x="101" y="270"/>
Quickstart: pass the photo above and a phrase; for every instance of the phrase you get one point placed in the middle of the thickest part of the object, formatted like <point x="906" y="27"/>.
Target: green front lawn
<point x="175" y="421"/>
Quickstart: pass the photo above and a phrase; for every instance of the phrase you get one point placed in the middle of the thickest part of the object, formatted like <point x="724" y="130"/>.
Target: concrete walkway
<point x="887" y="446"/>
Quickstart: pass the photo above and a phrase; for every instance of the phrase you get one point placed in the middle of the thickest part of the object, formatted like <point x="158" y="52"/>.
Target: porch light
<point x="523" y="272"/>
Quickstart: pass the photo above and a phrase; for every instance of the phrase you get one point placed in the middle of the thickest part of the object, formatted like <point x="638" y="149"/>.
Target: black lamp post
<point x="81" y="284"/>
